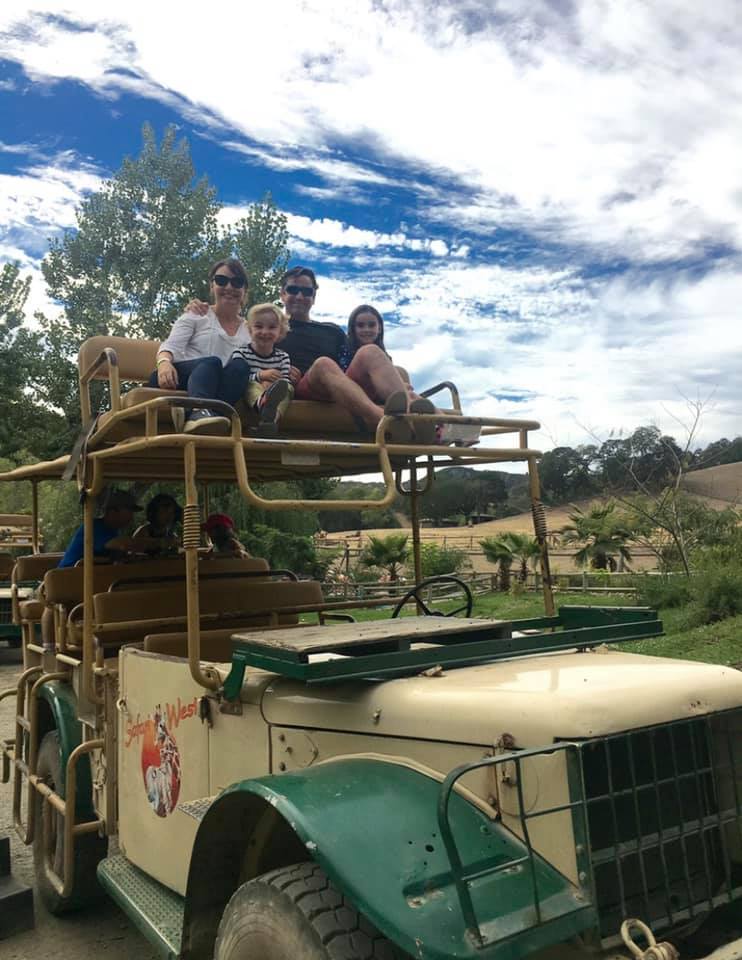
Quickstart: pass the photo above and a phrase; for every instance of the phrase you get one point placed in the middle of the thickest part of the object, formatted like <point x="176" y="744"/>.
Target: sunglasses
<point x="295" y="291"/>
<point x="221" y="281"/>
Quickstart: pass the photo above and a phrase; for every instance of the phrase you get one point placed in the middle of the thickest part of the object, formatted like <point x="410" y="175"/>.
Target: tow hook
<point x="654" y="951"/>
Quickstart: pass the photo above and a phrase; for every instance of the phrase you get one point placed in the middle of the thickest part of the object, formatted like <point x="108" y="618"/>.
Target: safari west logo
<point x="161" y="767"/>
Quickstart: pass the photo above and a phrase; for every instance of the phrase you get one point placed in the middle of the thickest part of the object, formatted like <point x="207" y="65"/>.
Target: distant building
<point x="475" y="518"/>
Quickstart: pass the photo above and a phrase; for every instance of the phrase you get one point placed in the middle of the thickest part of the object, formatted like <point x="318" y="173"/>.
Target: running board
<point x="153" y="909"/>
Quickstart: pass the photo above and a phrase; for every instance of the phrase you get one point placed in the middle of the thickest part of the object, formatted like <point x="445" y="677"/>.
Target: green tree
<point x="600" y="534"/>
<point x="141" y="248"/>
<point x="260" y="241"/>
<point x="389" y="553"/>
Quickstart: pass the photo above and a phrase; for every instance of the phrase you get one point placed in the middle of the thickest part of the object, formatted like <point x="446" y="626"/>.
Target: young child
<point x="220" y="529"/>
<point x="268" y="389"/>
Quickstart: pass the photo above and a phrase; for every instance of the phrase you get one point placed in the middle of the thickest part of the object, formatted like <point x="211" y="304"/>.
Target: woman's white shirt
<point x="193" y="337"/>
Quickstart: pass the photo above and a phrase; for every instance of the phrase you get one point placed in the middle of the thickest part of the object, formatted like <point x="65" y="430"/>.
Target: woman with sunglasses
<point x="196" y="355"/>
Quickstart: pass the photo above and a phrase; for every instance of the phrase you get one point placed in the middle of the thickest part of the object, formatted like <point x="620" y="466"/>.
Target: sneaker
<point x="273" y="402"/>
<point x="206" y="422"/>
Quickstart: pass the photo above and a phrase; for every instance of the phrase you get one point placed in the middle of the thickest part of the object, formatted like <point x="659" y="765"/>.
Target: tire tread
<point x="342" y="932"/>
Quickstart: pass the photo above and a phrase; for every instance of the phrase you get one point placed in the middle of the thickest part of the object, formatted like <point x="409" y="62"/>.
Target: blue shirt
<point x="101" y="535"/>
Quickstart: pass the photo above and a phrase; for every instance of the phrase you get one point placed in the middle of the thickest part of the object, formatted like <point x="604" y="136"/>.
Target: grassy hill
<point x="720" y="487"/>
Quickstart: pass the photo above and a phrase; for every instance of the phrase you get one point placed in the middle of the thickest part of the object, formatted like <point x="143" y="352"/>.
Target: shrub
<point x="662" y="592"/>
<point x="436" y="561"/>
<point x="716" y="590"/>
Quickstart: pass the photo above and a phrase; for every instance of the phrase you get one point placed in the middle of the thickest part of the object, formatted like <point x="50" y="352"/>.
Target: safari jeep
<point x="251" y="774"/>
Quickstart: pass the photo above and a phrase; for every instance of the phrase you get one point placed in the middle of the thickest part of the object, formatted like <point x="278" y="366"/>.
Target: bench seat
<point x="224" y="605"/>
<point x="135" y="361"/>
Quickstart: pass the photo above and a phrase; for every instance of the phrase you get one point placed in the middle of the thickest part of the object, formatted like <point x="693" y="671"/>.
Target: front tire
<point x="296" y="912"/>
<point x="90" y="849"/>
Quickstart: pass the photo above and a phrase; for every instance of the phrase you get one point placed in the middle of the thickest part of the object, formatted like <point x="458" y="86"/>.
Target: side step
<point x="16" y="899"/>
<point x="155" y="911"/>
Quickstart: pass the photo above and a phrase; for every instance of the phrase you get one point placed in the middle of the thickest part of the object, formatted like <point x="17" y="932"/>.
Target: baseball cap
<point x="218" y="520"/>
<point x="121" y="500"/>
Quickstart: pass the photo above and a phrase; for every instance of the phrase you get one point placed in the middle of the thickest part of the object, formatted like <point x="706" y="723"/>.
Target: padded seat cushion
<point x="217" y="598"/>
<point x="35" y="565"/>
<point x="31" y="609"/>
<point x="65" y="586"/>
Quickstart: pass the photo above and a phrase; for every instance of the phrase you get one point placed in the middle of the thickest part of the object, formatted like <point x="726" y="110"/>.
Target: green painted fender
<point x="62" y="702"/>
<point x="372" y="826"/>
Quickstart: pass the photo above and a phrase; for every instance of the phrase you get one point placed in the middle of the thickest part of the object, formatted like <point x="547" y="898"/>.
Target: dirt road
<point x="104" y="932"/>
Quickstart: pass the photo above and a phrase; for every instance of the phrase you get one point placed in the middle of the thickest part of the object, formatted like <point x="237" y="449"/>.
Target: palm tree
<point x="390" y="553"/>
<point x="600" y="536"/>
<point x="525" y="550"/>
<point x="499" y="550"/>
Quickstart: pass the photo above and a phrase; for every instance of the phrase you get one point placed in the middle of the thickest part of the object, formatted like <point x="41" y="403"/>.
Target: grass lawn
<point x="713" y="643"/>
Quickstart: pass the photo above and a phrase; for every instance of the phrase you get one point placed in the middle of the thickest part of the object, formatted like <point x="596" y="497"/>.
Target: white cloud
<point x="611" y="128"/>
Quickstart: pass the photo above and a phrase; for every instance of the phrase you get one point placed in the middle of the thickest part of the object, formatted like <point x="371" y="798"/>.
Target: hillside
<point x="720" y="485"/>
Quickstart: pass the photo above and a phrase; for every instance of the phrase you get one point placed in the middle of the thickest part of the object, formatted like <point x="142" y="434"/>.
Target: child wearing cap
<point x="268" y="389"/>
<point x="220" y="530"/>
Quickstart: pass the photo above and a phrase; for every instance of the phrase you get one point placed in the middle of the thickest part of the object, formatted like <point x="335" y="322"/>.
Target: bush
<point x="437" y="561"/>
<point x="662" y="592"/>
<point x="716" y="590"/>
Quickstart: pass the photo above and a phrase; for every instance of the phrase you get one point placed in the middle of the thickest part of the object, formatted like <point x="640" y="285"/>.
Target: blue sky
<point x="543" y="198"/>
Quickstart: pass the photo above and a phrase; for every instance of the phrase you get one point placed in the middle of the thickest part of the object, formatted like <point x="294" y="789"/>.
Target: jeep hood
<point x="536" y="699"/>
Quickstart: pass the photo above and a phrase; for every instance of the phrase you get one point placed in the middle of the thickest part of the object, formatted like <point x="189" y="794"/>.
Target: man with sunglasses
<point x="196" y="355"/>
<point x="369" y="387"/>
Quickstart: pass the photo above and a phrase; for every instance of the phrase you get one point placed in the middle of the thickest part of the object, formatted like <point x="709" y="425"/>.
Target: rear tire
<point x="293" y="913"/>
<point x="90" y="849"/>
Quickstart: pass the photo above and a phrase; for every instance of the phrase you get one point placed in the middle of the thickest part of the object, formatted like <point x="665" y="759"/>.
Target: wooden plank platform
<point x="370" y="635"/>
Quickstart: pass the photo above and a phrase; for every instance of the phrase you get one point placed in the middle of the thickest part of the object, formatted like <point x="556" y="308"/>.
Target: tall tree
<point x="260" y="241"/>
<point x="141" y="248"/>
<point x="23" y="423"/>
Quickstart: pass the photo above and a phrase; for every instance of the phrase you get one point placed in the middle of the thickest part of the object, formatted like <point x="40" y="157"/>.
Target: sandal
<point x="425" y="431"/>
<point x="396" y="403"/>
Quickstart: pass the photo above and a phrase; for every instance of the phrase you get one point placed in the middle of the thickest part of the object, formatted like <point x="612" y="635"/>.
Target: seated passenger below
<point x="163" y="515"/>
<point x="108" y="544"/>
<point x="269" y="391"/>
<point x="220" y="530"/>
<point x="197" y="354"/>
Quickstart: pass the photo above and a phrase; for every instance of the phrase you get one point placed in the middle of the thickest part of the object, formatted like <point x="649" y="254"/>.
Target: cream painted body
<point x="430" y="722"/>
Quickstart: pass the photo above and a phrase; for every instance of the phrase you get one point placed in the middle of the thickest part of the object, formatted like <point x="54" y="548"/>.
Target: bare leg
<point x="326" y="377"/>
<point x="374" y="371"/>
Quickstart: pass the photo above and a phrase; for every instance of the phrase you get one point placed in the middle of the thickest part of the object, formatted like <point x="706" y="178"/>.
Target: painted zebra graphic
<point x="162" y="780"/>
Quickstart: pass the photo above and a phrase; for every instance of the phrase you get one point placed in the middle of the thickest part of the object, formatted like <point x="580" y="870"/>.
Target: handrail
<point x="108" y="355"/>
<point x="462" y="876"/>
<point x="445" y="385"/>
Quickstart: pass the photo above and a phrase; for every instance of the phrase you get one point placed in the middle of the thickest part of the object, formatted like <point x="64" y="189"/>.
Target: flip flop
<point x="424" y="431"/>
<point x="396" y="403"/>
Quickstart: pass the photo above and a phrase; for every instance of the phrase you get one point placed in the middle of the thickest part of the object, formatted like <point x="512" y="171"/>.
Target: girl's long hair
<point x="353" y="337"/>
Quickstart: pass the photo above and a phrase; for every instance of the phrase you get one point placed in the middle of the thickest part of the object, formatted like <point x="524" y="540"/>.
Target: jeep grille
<point x="665" y="817"/>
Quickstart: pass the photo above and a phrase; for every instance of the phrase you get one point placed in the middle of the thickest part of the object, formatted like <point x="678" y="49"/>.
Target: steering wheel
<point x="414" y="593"/>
